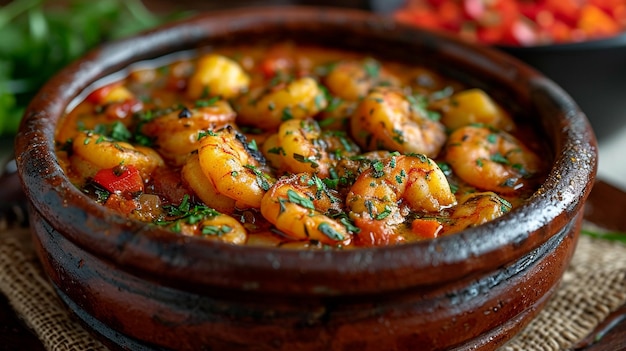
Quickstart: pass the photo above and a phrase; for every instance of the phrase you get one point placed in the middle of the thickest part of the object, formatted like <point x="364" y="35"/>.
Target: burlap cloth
<point x="593" y="286"/>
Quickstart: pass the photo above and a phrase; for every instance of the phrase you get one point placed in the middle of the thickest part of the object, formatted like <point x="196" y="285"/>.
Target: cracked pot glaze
<point x="141" y="287"/>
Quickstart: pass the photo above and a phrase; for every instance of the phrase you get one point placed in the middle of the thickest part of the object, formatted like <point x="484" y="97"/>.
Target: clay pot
<point x="139" y="287"/>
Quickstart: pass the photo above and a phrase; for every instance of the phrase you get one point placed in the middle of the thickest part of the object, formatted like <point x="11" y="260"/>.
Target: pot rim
<point x="168" y="257"/>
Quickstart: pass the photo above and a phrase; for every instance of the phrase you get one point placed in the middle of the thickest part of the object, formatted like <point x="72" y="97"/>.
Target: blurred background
<point x="578" y="43"/>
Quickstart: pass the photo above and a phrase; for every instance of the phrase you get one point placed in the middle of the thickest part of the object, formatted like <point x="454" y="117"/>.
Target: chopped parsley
<point x="499" y="158"/>
<point x="329" y="231"/>
<point x="261" y="178"/>
<point x="207" y="102"/>
<point x="311" y="160"/>
<point x="371" y="67"/>
<point x="204" y="133"/>
<point x="378" y="169"/>
<point x="216" y="230"/>
<point x="185" y="213"/>
<point x="277" y="150"/>
<point x="386" y="212"/>
<point x="286" y="114"/>
<point x="298" y="199"/>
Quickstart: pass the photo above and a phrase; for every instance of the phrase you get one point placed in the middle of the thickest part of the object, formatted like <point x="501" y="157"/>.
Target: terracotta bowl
<point x="139" y="287"/>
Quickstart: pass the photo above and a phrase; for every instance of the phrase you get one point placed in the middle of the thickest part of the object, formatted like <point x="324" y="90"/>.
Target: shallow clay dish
<point x="139" y="287"/>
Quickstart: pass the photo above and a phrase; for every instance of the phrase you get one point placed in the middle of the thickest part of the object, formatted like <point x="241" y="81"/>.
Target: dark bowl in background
<point x="592" y="72"/>
<point x="140" y="287"/>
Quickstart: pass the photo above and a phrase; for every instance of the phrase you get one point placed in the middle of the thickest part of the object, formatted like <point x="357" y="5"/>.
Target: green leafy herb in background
<point x="40" y="37"/>
<point x="611" y="236"/>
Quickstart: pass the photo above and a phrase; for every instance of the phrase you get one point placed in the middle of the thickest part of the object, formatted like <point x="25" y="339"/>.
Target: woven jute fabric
<point x="593" y="286"/>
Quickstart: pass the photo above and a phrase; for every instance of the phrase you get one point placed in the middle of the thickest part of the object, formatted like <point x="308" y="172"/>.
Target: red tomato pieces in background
<point x="596" y="23"/>
<point x="518" y="22"/>
<point x="124" y="180"/>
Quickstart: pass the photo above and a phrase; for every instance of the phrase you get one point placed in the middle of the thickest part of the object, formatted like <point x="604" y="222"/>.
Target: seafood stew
<point x="299" y="147"/>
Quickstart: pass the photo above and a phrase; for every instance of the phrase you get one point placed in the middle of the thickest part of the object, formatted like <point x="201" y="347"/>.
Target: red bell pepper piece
<point x="120" y="179"/>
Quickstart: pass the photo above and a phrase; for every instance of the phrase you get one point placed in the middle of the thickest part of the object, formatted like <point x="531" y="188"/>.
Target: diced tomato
<point x="176" y="83"/>
<point x="545" y="19"/>
<point x="559" y="32"/>
<point x="490" y="35"/>
<point x="436" y="3"/>
<point x="531" y="9"/>
<point x="120" y="204"/>
<point x="567" y="11"/>
<point x="168" y="183"/>
<point x="97" y="96"/>
<point x="450" y="15"/>
<point x="122" y="109"/>
<point x="606" y="5"/>
<point x="279" y="58"/>
<point x="109" y="93"/>
<point x="521" y="33"/>
<point x="426" y="228"/>
<point x="619" y="13"/>
<point x="508" y="11"/>
<point x="519" y="22"/>
<point x="125" y="180"/>
<point x="596" y="23"/>
<point x="473" y="9"/>
<point x="425" y="18"/>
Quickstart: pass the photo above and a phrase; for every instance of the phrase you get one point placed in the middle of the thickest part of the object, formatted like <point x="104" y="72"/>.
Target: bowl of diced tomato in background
<point x="580" y="44"/>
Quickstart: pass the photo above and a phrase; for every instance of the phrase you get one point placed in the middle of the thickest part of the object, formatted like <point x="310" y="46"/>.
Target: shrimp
<point x="273" y="152"/>
<point x="215" y="226"/>
<point x="268" y="108"/>
<point x="223" y="228"/>
<point x="386" y="119"/>
<point x="298" y="205"/>
<point x="203" y="186"/>
<point x="176" y="133"/>
<point x="104" y="152"/>
<point x="474" y="106"/>
<point x="490" y="159"/>
<point x="353" y="80"/>
<point x="217" y="75"/>
<point x="303" y="147"/>
<point x="382" y="196"/>
<point x="235" y="169"/>
<point x="347" y="169"/>
<point x="475" y="209"/>
<point x="336" y="116"/>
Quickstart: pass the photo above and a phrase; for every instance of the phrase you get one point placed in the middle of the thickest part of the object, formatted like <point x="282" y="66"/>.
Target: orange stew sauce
<point x="298" y="147"/>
